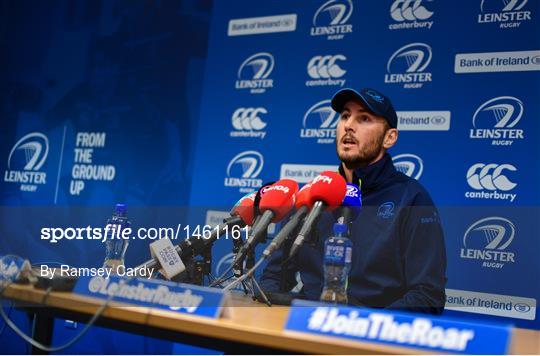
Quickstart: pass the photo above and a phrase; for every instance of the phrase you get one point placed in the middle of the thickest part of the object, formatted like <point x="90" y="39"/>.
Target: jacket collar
<point x="370" y="177"/>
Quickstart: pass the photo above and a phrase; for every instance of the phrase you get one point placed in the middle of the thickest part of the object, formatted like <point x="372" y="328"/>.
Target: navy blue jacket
<point x="399" y="257"/>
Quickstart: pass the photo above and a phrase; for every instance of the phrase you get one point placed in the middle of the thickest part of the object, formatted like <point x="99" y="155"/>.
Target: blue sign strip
<point x="398" y="329"/>
<point x="183" y="298"/>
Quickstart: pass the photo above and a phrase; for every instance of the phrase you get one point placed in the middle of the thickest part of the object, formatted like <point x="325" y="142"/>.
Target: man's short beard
<point x="366" y="156"/>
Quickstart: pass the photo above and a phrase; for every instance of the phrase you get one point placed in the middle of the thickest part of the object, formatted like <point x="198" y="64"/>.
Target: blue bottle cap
<point x="340" y="228"/>
<point x="120" y="209"/>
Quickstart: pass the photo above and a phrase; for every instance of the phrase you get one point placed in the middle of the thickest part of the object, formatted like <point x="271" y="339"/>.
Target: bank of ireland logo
<point x="490" y="181"/>
<point x="522" y="307"/>
<point x="407" y="66"/>
<point x="254" y="73"/>
<point x="409" y="164"/>
<point x="248" y="122"/>
<point x="319" y="122"/>
<point x="332" y="19"/>
<point x="507" y="13"/>
<point x="243" y="170"/>
<point x="410" y="14"/>
<point x="496" y="120"/>
<point x="326" y="70"/>
<point x="487" y="240"/>
<point x="25" y="161"/>
<point x="386" y="210"/>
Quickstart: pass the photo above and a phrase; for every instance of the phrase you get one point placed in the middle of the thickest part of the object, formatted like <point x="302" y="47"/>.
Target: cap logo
<point x="375" y="96"/>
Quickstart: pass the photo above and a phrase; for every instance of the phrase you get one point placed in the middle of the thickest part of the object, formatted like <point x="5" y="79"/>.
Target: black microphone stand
<point x="250" y="262"/>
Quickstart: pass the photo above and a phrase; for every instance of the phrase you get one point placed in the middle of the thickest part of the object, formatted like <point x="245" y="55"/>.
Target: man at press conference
<point x="399" y="257"/>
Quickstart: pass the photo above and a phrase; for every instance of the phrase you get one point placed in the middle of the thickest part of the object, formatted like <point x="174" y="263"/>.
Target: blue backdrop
<point x="464" y="78"/>
<point x="100" y="104"/>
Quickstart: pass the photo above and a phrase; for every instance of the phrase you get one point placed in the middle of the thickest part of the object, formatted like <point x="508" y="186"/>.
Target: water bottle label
<point x="335" y="254"/>
<point x="348" y="255"/>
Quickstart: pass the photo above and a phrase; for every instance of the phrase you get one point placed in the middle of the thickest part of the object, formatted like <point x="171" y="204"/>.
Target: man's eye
<point x="344" y="116"/>
<point x="365" y="118"/>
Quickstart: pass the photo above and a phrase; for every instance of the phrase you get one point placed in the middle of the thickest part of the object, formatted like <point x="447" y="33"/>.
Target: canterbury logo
<point x="509" y="5"/>
<point x="257" y="66"/>
<point x="322" y="114"/>
<point x="251" y="163"/>
<point x="248" y="119"/>
<point x="325" y="67"/>
<point x="416" y="56"/>
<point x="409" y="10"/>
<point x="333" y="12"/>
<point x="490" y="176"/>
<point x="503" y="111"/>
<point x="496" y="232"/>
<point x="35" y="146"/>
<point x="409" y="164"/>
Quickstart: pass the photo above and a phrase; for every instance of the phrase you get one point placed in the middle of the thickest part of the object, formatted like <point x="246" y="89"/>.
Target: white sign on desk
<point x="183" y="298"/>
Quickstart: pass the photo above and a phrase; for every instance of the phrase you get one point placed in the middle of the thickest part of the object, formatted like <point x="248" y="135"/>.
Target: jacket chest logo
<point x="386" y="210"/>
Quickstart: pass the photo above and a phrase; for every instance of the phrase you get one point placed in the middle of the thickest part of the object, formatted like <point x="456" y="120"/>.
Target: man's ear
<point x="390" y="138"/>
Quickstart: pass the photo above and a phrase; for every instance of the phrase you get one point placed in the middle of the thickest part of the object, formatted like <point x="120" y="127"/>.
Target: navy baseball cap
<point x="376" y="102"/>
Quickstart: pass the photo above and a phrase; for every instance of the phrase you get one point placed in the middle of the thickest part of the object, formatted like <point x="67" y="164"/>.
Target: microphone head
<point x="279" y="198"/>
<point x="330" y="188"/>
<point x="353" y="200"/>
<point x="259" y="195"/>
<point x="303" y="197"/>
<point x="245" y="208"/>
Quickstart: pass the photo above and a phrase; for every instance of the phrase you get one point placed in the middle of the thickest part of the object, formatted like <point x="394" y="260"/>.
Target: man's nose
<point x="348" y="124"/>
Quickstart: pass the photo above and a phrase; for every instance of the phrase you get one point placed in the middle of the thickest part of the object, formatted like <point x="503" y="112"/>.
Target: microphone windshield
<point x="245" y="208"/>
<point x="330" y="188"/>
<point x="303" y="197"/>
<point x="279" y="198"/>
<point x="353" y="199"/>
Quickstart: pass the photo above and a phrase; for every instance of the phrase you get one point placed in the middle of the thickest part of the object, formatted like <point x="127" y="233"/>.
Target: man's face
<point x="359" y="135"/>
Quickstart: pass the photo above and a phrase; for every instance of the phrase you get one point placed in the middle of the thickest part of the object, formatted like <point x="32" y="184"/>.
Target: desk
<point x="252" y="328"/>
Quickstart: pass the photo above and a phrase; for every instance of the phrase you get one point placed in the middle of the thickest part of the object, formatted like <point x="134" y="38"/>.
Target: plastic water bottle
<point x="115" y="245"/>
<point x="337" y="264"/>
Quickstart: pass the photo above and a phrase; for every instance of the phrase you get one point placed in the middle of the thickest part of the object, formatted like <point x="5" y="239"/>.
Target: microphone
<point x="350" y="208"/>
<point x="276" y="202"/>
<point x="327" y="192"/>
<point x="302" y="207"/>
<point x="241" y="215"/>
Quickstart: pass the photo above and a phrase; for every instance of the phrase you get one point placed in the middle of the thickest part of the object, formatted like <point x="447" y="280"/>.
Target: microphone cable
<point x="33" y="342"/>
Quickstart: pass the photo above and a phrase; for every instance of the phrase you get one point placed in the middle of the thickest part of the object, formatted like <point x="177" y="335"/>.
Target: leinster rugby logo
<point x="386" y="210"/>
<point x="487" y="240"/>
<point x="331" y="19"/>
<point x="25" y="161"/>
<point x="254" y="73"/>
<point x="407" y="66"/>
<point x="409" y="164"/>
<point x="243" y="170"/>
<point x="320" y="123"/>
<point x="506" y="13"/>
<point x="496" y="120"/>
